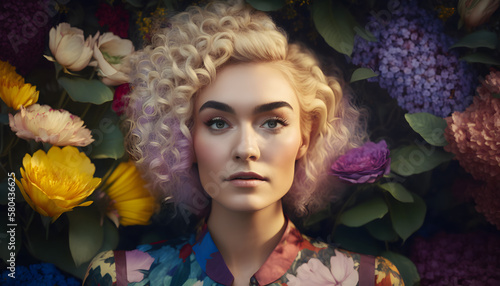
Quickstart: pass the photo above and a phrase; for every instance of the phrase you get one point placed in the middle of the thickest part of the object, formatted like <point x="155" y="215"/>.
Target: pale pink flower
<point x="137" y="262"/>
<point x="314" y="273"/>
<point x="69" y="47"/>
<point x="57" y="127"/>
<point x="110" y="52"/>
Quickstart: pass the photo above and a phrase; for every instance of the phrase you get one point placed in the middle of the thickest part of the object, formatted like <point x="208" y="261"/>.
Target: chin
<point x="247" y="204"/>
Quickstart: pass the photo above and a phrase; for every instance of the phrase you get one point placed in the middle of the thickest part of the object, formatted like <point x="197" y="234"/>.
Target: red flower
<point x="115" y="18"/>
<point x="185" y="251"/>
<point x="120" y="103"/>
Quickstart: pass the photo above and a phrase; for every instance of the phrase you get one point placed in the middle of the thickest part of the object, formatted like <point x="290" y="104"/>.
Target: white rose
<point x="110" y="52"/>
<point x="69" y="47"/>
<point x="476" y="12"/>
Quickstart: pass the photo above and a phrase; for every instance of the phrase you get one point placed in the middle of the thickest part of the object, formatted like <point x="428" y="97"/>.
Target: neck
<point x="246" y="239"/>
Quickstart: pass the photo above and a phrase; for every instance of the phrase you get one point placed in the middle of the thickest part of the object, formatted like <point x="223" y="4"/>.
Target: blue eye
<point x="275" y="123"/>
<point x="217" y="124"/>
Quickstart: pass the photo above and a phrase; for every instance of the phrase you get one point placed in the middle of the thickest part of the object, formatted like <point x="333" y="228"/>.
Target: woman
<point x="230" y="121"/>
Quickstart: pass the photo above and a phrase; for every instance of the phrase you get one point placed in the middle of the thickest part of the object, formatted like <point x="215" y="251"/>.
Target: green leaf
<point x="85" y="234"/>
<point x="58" y="68"/>
<point x="364" y="212"/>
<point x="108" y="138"/>
<point x="496" y="95"/>
<point x="407" y="217"/>
<point x="111" y="236"/>
<point x="416" y="159"/>
<point x="267" y="5"/>
<point x="358" y="240"/>
<point x="135" y="3"/>
<point x="481" y="58"/>
<point x="84" y="90"/>
<point x="317" y="217"/>
<point x="4" y="118"/>
<point x="54" y="249"/>
<point x="168" y="4"/>
<point x="381" y="229"/>
<point x="399" y="192"/>
<point x="406" y="267"/>
<point x="362" y="73"/>
<point x="335" y="24"/>
<point x="365" y="34"/>
<point x="479" y="39"/>
<point x="429" y="126"/>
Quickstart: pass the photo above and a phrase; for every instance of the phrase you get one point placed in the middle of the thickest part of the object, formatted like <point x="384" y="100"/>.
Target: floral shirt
<point x="296" y="260"/>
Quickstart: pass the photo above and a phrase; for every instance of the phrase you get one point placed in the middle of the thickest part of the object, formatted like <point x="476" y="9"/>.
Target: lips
<point x="246" y="176"/>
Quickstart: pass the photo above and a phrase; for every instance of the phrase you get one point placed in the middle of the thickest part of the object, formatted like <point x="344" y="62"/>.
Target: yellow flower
<point x="15" y="95"/>
<point x="130" y="202"/>
<point x="55" y="182"/>
<point x="57" y="127"/>
<point x="7" y="71"/>
<point x="13" y="91"/>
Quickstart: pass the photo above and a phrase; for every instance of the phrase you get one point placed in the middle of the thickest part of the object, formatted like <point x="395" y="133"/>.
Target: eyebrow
<point x="259" y="109"/>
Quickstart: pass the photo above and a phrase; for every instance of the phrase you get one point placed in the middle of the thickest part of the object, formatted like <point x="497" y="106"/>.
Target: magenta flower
<point x="365" y="164"/>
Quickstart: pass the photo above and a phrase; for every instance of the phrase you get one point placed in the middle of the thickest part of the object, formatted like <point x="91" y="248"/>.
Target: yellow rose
<point x="476" y="12"/>
<point x="69" y="47"/>
<point x="110" y="52"/>
<point x="55" y="182"/>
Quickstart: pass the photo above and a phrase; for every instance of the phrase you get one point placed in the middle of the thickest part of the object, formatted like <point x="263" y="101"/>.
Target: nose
<point x="246" y="147"/>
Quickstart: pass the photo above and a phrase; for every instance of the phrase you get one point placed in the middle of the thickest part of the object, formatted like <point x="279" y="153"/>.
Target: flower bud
<point x="69" y="47"/>
<point x="476" y="12"/>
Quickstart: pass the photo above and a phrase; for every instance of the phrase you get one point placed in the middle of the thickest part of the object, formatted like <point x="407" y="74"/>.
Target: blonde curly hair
<point x="185" y="56"/>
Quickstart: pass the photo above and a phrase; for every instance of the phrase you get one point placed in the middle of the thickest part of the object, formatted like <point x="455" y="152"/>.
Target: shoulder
<point x="385" y="271"/>
<point x="134" y="265"/>
<point x="330" y="264"/>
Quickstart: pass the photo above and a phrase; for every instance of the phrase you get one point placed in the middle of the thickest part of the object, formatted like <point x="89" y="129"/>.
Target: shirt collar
<point x="276" y="265"/>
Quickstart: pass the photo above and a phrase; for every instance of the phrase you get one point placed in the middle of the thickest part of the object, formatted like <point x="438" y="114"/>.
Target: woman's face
<point x="247" y="136"/>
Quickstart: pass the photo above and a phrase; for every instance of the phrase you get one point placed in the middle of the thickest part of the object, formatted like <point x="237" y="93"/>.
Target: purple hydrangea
<point x="24" y="28"/>
<point x="458" y="259"/>
<point x="414" y="63"/>
<point x="365" y="164"/>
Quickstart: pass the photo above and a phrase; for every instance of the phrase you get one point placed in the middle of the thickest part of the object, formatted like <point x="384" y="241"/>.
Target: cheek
<point x="284" y="151"/>
<point x="209" y="152"/>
